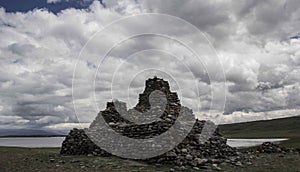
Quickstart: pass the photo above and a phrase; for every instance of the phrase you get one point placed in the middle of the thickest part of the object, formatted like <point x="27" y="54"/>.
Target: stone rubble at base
<point x="269" y="147"/>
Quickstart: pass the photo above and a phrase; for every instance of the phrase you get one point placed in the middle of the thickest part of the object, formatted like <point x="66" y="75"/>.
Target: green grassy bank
<point x="277" y="128"/>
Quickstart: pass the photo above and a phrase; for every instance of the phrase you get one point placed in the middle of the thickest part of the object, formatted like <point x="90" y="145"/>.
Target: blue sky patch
<point x="28" y="5"/>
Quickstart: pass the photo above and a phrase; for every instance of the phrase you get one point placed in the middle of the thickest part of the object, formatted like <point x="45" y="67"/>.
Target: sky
<point x="256" y="42"/>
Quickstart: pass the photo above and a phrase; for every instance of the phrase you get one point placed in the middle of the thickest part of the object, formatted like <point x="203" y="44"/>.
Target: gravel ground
<point x="48" y="159"/>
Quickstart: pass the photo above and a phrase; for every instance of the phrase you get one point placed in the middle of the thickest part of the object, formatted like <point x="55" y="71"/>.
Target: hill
<point x="276" y="128"/>
<point x="30" y="133"/>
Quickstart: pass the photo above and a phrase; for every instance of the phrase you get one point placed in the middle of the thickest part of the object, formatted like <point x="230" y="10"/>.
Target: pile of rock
<point x="78" y="143"/>
<point x="269" y="147"/>
<point x="190" y="152"/>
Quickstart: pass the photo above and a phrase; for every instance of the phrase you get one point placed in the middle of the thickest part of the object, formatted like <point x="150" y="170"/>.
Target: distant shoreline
<point x="12" y="136"/>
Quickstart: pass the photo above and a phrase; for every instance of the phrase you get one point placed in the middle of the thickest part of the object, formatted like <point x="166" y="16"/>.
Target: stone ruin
<point x="189" y="152"/>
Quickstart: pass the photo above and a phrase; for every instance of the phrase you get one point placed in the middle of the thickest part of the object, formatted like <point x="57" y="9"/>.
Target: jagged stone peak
<point x="111" y="105"/>
<point x="151" y="85"/>
<point x="166" y="105"/>
<point x="156" y="84"/>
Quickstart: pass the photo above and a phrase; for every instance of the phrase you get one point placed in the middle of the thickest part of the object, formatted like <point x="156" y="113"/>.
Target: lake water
<point x="32" y="141"/>
<point x="240" y="143"/>
<point x="57" y="141"/>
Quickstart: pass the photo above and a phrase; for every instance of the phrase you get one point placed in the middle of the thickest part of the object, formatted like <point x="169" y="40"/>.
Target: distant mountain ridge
<point x="31" y="132"/>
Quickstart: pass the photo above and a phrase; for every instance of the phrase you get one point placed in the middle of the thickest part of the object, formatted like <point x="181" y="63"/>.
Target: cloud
<point x="53" y="1"/>
<point x="67" y="126"/>
<point x="37" y="60"/>
<point x="76" y="2"/>
<point x="39" y="50"/>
